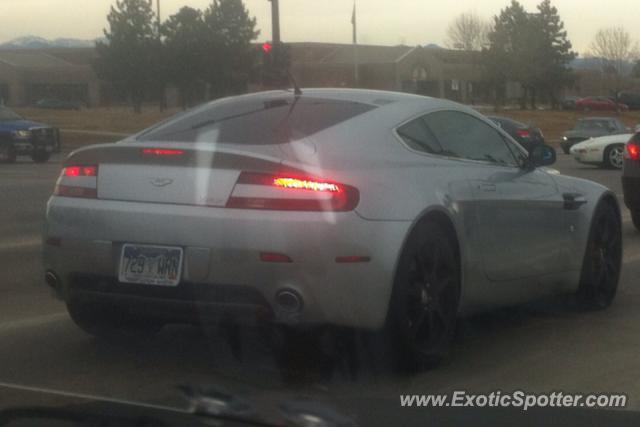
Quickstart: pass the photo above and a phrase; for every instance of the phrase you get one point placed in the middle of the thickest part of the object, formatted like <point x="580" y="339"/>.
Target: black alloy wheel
<point x="425" y="298"/>
<point x="7" y="153"/>
<point x="40" y="156"/>
<point x="603" y="259"/>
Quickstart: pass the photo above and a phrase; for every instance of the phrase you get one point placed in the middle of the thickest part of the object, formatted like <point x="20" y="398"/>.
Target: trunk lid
<point x="185" y="174"/>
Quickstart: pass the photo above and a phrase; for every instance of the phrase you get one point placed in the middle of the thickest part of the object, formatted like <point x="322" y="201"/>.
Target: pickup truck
<point x="22" y="137"/>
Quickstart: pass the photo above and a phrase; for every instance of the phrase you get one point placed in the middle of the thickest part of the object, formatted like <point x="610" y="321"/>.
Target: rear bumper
<point x="631" y="191"/>
<point x="222" y="246"/>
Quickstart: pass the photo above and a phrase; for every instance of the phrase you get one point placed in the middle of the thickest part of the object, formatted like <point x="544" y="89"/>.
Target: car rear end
<point x="631" y="175"/>
<point x="186" y="232"/>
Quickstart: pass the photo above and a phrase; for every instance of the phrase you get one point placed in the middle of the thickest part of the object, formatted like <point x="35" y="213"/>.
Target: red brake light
<point x="77" y="181"/>
<point x="290" y="192"/>
<point x="303" y="184"/>
<point x="162" y="152"/>
<point x="633" y="150"/>
<point x="80" y="171"/>
<point x="525" y="133"/>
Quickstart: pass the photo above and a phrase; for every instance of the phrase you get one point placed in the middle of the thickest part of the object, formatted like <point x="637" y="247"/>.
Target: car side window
<point x="464" y="136"/>
<point x="417" y="136"/>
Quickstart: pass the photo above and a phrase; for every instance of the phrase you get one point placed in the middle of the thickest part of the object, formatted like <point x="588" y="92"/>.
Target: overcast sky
<point x="385" y="22"/>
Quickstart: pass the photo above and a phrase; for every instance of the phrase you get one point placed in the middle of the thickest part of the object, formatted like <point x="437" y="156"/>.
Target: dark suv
<point x="22" y="137"/>
<point x="631" y="178"/>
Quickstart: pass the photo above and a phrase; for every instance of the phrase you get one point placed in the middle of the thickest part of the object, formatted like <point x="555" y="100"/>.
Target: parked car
<point x="22" y="137"/>
<point x="592" y="127"/>
<point x="606" y="151"/>
<point x="528" y="136"/>
<point x="58" y="104"/>
<point x="631" y="99"/>
<point x="599" y="103"/>
<point x="358" y="208"/>
<point x="569" y="102"/>
<point x="631" y="178"/>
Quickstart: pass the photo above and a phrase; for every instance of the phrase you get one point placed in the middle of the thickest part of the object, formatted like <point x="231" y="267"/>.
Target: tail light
<point x="161" y="152"/>
<point x="78" y="181"/>
<point x="524" y="133"/>
<point x="291" y="193"/>
<point x="632" y="149"/>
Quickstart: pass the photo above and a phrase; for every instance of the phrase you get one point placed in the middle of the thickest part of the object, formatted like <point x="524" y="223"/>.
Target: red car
<point x="601" y="103"/>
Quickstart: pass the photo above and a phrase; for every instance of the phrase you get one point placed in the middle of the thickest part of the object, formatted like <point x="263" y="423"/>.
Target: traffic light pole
<point x="275" y="21"/>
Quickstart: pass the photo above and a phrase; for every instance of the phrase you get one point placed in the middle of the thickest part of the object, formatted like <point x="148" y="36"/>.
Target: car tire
<point x="40" y="156"/>
<point x="602" y="261"/>
<point x="111" y="323"/>
<point x="7" y="153"/>
<point x="424" y="302"/>
<point x="613" y="157"/>
<point x="635" y="218"/>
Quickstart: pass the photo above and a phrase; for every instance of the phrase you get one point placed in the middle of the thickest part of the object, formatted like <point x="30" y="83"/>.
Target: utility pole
<point x="275" y="21"/>
<point x="158" y="15"/>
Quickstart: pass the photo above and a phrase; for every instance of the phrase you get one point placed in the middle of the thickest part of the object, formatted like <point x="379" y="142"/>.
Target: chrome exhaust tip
<point x="289" y="301"/>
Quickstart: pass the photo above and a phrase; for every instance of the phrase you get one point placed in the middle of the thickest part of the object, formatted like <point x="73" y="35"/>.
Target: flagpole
<point x="354" y="21"/>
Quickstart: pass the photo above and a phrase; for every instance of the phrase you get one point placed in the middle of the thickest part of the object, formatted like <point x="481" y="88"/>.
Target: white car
<point x="356" y="208"/>
<point x="606" y="151"/>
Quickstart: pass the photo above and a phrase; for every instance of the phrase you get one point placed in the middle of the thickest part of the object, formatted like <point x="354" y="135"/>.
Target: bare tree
<point x="468" y="32"/>
<point x="614" y="47"/>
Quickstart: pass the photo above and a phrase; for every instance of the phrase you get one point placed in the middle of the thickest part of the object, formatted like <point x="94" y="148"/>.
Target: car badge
<point x="161" y="182"/>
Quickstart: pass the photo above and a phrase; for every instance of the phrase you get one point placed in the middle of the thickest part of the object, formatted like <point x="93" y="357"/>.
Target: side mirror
<point x="542" y="155"/>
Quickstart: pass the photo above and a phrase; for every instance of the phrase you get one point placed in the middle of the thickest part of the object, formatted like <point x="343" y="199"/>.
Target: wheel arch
<point x="443" y="217"/>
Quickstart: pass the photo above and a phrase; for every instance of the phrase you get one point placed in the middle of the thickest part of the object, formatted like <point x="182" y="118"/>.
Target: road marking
<point x="27" y="242"/>
<point x="92" y="397"/>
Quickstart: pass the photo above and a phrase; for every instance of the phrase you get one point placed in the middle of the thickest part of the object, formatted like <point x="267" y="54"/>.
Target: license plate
<point x="151" y="265"/>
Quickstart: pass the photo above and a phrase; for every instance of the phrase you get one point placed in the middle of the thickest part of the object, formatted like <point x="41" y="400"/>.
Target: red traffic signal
<point x="266" y="47"/>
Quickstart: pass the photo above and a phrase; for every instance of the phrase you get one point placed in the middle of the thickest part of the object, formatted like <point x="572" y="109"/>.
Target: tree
<point x="230" y="33"/>
<point x="529" y="48"/>
<point x="130" y="55"/>
<point x="510" y="52"/>
<point x="614" y="47"/>
<point x="468" y="32"/>
<point x="635" y="72"/>
<point x="185" y="53"/>
<point x="553" y="53"/>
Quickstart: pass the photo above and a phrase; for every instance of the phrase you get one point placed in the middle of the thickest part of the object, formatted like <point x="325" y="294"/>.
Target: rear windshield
<point x="507" y="123"/>
<point x="593" y="124"/>
<point x="273" y="121"/>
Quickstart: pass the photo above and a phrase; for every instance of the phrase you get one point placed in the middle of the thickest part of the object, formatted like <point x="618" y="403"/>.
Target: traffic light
<point x="275" y="64"/>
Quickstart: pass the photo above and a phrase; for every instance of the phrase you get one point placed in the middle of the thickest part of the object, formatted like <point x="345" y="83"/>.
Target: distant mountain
<point x="590" y="63"/>
<point x="35" y="42"/>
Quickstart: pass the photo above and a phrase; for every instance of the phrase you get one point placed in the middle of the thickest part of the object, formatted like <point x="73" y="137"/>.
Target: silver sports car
<point x="359" y="208"/>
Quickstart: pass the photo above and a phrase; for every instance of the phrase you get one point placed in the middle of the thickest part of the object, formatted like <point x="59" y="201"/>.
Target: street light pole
<point x="158" y="15"/>
<point x="275" y="21"/>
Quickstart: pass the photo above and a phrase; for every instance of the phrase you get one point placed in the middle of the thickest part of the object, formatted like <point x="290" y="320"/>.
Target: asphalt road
<point x="540" y="347"/>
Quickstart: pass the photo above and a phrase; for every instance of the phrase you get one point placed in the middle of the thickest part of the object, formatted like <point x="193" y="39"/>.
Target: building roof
<point x="450" y="56"/>
<point x="31" y="59"/>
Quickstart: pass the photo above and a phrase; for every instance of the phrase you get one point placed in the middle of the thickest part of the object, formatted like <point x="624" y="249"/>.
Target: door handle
<point x="573" y="201"/>
<point x="487" y="187"/>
